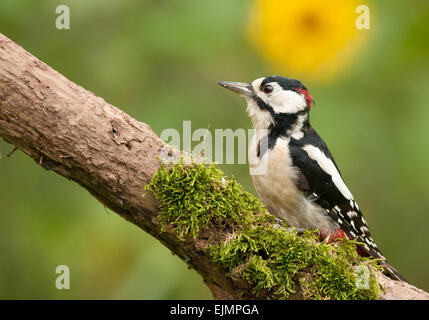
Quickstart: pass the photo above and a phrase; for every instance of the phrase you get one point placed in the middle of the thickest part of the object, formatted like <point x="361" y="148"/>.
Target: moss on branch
<point x="250" y="244"/>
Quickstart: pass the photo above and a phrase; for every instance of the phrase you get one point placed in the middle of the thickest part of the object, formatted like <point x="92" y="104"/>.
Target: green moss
<point x="196" y="196"/>
<point x="273" y="259"/>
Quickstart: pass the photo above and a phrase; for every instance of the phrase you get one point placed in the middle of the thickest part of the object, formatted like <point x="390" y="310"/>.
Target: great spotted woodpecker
<point x="302" y="184"/>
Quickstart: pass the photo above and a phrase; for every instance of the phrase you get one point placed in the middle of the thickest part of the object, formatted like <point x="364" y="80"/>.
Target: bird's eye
<point x="267" y="88"/>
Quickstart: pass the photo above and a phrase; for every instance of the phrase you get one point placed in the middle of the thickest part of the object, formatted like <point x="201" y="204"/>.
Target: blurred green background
<point x="159" y="61"/>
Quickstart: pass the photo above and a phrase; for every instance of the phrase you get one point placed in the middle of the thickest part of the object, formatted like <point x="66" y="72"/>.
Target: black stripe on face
<point x="263" y="106"/>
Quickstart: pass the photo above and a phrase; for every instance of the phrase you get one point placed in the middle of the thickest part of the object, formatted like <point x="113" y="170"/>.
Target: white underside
<point x="278" y="191"/>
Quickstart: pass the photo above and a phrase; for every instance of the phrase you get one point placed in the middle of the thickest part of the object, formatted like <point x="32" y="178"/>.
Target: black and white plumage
<point x="301" y="182"/>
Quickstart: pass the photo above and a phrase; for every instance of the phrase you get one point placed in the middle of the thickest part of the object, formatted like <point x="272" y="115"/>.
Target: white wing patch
<point x="328" y="166"/>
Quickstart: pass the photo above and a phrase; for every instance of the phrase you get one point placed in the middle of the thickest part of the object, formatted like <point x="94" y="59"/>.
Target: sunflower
<point x="312" y="38"/>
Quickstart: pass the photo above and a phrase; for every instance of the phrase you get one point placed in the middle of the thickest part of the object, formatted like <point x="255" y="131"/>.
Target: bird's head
<point x="273" y="101"/>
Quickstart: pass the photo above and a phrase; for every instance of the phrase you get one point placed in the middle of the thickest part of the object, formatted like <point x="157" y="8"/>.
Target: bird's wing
<point x="320" y="179"/>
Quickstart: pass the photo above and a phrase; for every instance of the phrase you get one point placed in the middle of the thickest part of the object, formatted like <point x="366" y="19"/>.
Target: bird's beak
<point x="241" y="88"/>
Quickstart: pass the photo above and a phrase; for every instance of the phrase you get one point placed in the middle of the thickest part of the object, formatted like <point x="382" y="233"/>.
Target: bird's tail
<point x="376" y="254"/>
<point x="391" y="272"/>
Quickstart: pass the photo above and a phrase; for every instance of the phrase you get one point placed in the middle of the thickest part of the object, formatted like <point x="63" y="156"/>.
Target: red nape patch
<point x="307" y="96"/>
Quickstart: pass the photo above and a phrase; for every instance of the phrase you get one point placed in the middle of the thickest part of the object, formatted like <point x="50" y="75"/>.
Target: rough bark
<point x="69" y="130"/>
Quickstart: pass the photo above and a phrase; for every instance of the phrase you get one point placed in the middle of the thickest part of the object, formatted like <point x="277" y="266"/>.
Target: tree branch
<point x="70" y="131"/>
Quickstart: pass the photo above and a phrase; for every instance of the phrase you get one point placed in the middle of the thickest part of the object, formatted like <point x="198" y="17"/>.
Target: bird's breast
<point x="274" y="178"/>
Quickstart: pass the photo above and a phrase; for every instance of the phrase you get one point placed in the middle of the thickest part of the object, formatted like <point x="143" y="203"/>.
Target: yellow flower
<point x="309" y="38"/>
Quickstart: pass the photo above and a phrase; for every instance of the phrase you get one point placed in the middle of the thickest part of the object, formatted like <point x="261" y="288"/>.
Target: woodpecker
<point x="302" y="184"/>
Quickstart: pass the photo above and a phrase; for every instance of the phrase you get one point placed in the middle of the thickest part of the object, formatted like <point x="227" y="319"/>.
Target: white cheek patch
<point x="261" y="118"/>
<point x="286" y="101"/>
<point x="282" y="101"/>
<point x="328" y="166"/>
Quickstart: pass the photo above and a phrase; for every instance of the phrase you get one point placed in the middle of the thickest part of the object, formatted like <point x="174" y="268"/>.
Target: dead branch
<point x="78" y="135"/>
